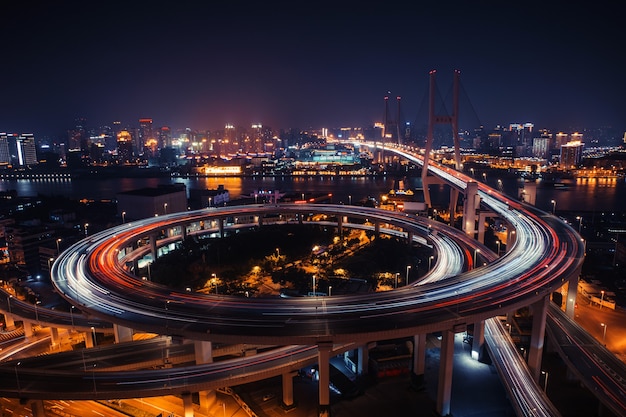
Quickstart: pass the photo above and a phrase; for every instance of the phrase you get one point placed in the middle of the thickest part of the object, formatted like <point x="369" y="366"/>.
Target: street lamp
<point x="50" y="260"/>
<point x="475" y="252"/>
<point x="553" y="206"/>
<point x="313" y="285"/>
<point x="95" y="340"/>
<point x="17" y="378"/>
<point x="37" y="311"/>
<point x="498" y="243"/>
<point x="330" y="290"/>
<point x="545" y="380"/>
<point x="604" y="332"/>
<point x="430" y="259"/>
<point x="395" y="284"/>
<point x="9" y="303"/>
<point x="86" y="225"/>
<point x="350" y="200"/>
<point x="123" y="217"/>
<point x="164" y="208"/>
<point x="58" y="241"/>
<point x="408" y="268"/>
<point x="601" y="299"/>
<point x="580" y="223"/>
<point x="72" y="315"/>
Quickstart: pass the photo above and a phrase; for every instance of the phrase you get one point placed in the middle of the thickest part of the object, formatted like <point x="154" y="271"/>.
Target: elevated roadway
<point x="546" y="253"/>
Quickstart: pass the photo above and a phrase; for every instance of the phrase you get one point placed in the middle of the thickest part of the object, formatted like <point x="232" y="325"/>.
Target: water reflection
<point x="583" y="194"/>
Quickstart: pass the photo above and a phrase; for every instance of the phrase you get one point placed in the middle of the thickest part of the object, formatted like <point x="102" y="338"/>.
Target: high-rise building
<point x="571" y="154"/>
<point x="165" y="137"/>
<point x="145" y="134"/>
<point x="5" y="149"/>
<point x="124" y="146"/>
<point x="26" y="150"/>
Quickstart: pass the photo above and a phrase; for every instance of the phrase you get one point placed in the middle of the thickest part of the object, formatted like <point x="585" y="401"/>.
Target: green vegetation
<point x="266" y="260"/>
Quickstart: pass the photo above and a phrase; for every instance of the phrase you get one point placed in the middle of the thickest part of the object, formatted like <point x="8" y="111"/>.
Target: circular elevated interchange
<point x="545" y="254"/>
<point x="92" y="274"/>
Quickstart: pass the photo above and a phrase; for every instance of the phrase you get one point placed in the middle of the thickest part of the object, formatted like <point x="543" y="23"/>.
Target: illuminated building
<point x="144" y="134"/>
<point x="571" y="155"/>
<point x="124" y="146"/>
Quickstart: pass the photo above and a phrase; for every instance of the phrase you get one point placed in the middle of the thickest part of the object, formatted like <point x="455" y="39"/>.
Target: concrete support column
<point x="478" y="341"/>
<point x="340" y="226"/>
<point x="288" y="402"/>
<point x="260" y="222"/>
<point x="364" y="358"/>
<point x="122" y="333"/>
<point x="454" y="199"/>
<point x="153" y="246"/>
<point x="220" y="225"/>
<point x="324" y="349"/>
<point x="444" y="385"/>
<point x="135" y="267"/>
<point x="36" y="406"/>
<point x="572" y="292"/>
<point x="409" y="238"/>
<point x="469" y="208"/>
<point x="187" y="404"/>
<point x="376" y="228"/>
<point x="88" y="340"/>
<point x="54" y="337"/>
<point x="28" y="329"/>
<point x="481" y="227"/>
<point x="204" y="354"/>
<point x="203" y="351"/>
<point x="9" y="323"/>
<point x="537" y="335"/>
<point x="207" y="399"/>
<point x="419" y="358"/>
<point x="183" y="231"/>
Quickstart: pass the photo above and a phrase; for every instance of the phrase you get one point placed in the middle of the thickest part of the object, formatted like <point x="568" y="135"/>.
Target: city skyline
<point x="203" y="66"/>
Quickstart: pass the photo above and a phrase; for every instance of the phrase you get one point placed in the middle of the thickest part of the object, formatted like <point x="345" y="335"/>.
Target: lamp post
<point x="553" y="206"/>
<point x="9" y="303"/>
<point x="475" y="252"/>
<point x="408" y="268"/>
<point x="37" y="311"/>
<point x="49" y="261"/>
<point x="430" y="260"/>
<point x="58" y="250"/>
<point x="350" y="200"/>
<point x="498" y="243"/>
<point x="17" y="377"/>
<point x="123" y="217"/>
<point x="95" y="340"/>
<point x="580" y="223"/>
<point x="604" y="332"/>
<point x="601" y="299"/>
<point x="545" y="380"/>
<point x="313" y="285"/>
<point x="86" y="225"/>
<point x="395" y="284"/>
<point x="164" y="208"/>
<point x="330" y="290"/>
<point x="72" y="315"/>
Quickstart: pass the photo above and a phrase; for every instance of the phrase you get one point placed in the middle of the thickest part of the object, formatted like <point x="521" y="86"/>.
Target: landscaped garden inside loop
<point x="291" y="260"/>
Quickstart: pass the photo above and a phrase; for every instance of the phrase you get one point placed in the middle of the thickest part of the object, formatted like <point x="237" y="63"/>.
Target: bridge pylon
<point x="434" y="119"/>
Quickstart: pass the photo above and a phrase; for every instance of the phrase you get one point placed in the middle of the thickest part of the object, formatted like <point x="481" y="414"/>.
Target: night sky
<point x="307" y="64"/>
